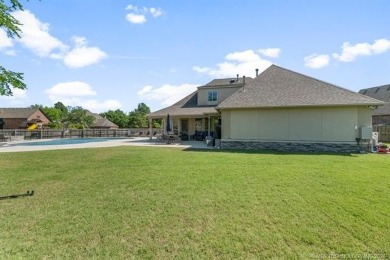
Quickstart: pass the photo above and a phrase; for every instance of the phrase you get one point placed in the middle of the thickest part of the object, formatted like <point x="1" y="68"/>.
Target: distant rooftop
<point x="381" y="93"/>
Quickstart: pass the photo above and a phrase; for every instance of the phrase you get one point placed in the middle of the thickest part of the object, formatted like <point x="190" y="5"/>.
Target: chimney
<point x="257" y="72"/>
<point x="243" y="83"/>
<point x="237" y="77"/>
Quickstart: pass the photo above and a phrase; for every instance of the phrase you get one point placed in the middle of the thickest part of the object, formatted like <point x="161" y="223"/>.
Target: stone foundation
<point x="290" y="146"/>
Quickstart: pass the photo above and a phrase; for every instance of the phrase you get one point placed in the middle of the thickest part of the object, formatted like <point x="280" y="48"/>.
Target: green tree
<point x="118" y="117"/>
<point x="78" y="117"/>
<point x="137" y="117"/>
<point x="156" y="123"/>
<point x="10" y="79"/>
<point x="36" y="106"/>
<point x="54" y="115"/>
<point x="60" y="106"/>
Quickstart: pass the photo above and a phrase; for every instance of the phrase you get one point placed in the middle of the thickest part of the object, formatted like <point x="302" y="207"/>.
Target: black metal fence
<point x="78" y="133"/>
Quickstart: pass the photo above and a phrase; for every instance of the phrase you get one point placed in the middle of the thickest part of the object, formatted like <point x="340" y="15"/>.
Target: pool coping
<point x="10" y="147"/>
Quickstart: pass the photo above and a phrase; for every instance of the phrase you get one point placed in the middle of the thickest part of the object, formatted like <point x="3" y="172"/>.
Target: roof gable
<point x="279" y="87"/>
<point x="187" y="106"/>
<point x="100" y="121"/>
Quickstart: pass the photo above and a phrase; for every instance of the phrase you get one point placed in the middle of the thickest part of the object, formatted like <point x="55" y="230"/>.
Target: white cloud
<point x="77" y="93"/>
<point x="145" y="90"/>
<point x="270" y="52"/>
<point x="70" y="89"/>
<point x="167" y="94"/>
<point x="139" y="15"/>
<point x="132" y="7"/>
<point x="351" y="52"/>
<point x="156" y="12"/>
<point x="202" y="69"/>
<point x="243" y="63"/>
<point x="18" y="96"/>
<point x="97" y="106"/>
<point x="5" y="42"/>
<point x="35" y="35"/>
<point x="316" y="61"/>
<point x="82" y="55"/>
<point x="136" y="18"/>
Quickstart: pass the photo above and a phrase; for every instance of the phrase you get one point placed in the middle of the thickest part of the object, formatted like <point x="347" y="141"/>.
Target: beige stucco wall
<point x="222" y="94"/>
<point x="226" y="124"/>
<point x="326" y="124"/>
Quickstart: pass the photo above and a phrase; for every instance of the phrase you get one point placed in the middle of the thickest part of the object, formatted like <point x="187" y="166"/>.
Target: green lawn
<point x="140" y="202"/>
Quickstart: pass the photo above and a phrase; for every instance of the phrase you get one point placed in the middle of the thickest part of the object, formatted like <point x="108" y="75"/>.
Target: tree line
<point x="62" y="116"/>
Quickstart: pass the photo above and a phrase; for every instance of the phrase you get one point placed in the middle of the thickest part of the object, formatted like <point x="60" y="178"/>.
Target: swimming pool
<point x="64" y="141"/>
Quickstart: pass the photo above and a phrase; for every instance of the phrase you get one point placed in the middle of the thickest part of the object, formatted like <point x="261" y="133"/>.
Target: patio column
<point x="179" y="126"/>
<point x="150" y="129"/>
<point x="208" y="134"/>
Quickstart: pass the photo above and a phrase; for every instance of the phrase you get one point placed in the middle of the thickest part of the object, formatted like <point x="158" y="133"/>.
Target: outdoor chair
<point x="4" y="138"/>
<point x="199" y="136"/>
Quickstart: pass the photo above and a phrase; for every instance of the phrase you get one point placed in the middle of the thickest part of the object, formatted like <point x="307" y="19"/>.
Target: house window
<point x="212" y="95"/>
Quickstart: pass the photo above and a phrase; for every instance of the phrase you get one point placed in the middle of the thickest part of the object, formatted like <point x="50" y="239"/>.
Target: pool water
<point x="65" y="141"/>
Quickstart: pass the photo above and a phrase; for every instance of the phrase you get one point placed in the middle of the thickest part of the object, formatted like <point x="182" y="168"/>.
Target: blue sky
<point x="106" y="55"/>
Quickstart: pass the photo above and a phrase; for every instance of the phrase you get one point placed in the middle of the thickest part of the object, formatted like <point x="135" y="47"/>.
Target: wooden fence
<point x="78" y="133"/>
<point x="383" y="133"/>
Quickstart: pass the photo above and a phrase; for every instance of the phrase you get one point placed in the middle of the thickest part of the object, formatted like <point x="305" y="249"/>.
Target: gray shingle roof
<point x="188" y="106"/>
<point x="279" y="87"/>
<point x="16" y="112"/>
<point x="228" y="82"/>
<point x="381" y="93"/>
<point x="100" y="121"/>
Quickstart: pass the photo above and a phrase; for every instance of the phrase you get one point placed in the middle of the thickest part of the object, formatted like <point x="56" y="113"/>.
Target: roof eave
<point x="301" y="106"/>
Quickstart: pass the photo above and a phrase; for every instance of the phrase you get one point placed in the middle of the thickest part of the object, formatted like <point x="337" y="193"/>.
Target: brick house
<point x="16" y="118"/>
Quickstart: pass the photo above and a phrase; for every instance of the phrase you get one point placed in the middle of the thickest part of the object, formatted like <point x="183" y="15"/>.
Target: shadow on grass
<point x="268" y="152"/>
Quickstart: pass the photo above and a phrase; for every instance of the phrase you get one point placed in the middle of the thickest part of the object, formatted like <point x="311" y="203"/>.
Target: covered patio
<point x="188" y="120"/>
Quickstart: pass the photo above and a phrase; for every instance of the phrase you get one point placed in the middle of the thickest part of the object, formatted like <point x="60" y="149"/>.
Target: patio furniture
<point x="172" y="139"/>
<point x="4" y="138"/>
<point x="199" y="135"/>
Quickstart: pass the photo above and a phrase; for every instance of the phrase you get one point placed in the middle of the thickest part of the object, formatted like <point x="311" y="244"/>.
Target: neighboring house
<point x="16" y="118"/>
<point x="279" y="110"/>
<point x="380" y="116"/>
<point x="101" y="122"/>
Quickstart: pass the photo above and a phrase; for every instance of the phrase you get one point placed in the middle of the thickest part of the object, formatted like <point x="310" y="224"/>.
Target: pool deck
<point x="9" y="147"/>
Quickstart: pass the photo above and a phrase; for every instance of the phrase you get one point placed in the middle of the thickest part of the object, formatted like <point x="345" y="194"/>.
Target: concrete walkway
<point x="8" y="147"/>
